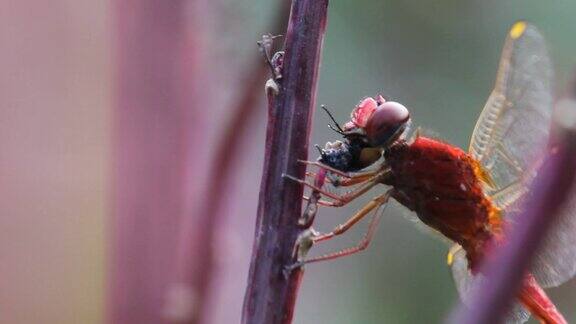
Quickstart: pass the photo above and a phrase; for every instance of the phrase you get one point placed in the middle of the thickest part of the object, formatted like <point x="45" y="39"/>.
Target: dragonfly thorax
<point x="440" y="183"/>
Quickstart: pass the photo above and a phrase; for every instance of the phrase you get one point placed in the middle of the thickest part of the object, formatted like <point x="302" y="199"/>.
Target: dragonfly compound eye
<point x="387" y="123"/>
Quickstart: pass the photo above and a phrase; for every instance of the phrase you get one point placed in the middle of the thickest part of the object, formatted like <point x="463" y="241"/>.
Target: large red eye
<point x="386" y="123"/>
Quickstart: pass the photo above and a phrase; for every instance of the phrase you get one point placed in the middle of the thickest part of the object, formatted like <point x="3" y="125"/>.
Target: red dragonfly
<point x="469" y="197"/>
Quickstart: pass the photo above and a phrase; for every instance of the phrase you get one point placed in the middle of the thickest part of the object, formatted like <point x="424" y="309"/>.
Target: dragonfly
<point x="470" y="197"/>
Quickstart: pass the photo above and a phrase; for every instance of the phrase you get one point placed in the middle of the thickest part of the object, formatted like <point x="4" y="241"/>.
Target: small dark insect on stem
<point x="270" y="295"/>
<point x="265" y="45"/>
<point x="550" y="190"/>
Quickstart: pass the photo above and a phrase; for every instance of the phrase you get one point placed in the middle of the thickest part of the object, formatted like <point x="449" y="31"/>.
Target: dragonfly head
<point x="379" y="122"/>
<point x="375" y="125"/>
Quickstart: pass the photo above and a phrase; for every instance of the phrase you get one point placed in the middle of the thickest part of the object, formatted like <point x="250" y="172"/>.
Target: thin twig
<point x="270" y="296"/>
<point x="550" y="190"/>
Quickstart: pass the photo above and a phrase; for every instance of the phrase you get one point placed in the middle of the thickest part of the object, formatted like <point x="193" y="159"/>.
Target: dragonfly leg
<point x="357" y="179"/>
<point x="315" y="196"/>
<point x="320" y="202"/>
<point x="314" y="174"/>
<point x="346" y="182"/>
<point x="338" y="172"/>
<point x="312" y="186"/>
<point x="342" y="199"/>
<point x="350" y="196"/>
<point x="340" y="229"/>
<point x="362" y="245"/>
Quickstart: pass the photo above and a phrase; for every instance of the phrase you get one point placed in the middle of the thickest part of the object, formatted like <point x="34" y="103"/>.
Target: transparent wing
<point x="513" y="127"/>
<point x="509" y="139"/>
<point x="555" y="261"/>
<point x="465" y="282"/>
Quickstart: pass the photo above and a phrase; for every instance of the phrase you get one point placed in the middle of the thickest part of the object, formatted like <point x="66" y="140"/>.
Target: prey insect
<point x="469" y="197"/>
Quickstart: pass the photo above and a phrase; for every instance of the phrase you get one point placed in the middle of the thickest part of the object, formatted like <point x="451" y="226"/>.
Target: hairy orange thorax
<point x="444" y="186"/>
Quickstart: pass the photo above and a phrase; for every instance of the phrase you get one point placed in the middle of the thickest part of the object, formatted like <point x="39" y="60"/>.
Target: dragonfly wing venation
<point x="510" y="138"/>
<point x="513" y="128"/>
<point x="466" y="282"/>
<point x="555" y="262"/>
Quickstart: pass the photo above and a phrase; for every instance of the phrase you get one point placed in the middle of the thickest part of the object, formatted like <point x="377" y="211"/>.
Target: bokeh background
<point x="63" y="162"/>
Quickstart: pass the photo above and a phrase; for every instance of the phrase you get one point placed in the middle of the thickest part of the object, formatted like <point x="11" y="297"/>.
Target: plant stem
<point x="551" y="188"/>
<point x="270" y="296"/>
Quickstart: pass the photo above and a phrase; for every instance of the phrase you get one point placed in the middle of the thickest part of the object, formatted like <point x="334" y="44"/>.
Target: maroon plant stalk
<point x="551" y="189"/>
<point x="194" y="256"/>
<point x="271" y="296"/>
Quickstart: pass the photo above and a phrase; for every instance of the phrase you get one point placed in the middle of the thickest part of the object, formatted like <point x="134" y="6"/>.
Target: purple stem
<point x="550" y="189"/>
<point x="270" y="296"/>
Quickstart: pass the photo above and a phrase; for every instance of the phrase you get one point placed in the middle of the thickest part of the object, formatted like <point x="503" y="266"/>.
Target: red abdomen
<point x="441" y="183"/>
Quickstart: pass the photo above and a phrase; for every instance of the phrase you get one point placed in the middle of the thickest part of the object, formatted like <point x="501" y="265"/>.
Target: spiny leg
<point x="315" y="196"/>
<point x="314" y="174"/>
<point x="312" y="186"/>
<point x="342" y="228"/>
<point x="343" y="199"/>
<point x="338" y="172"/>
<point x="325" y="203"/>
<point x="375" y="203"/>
<point x="346" y="182"/>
